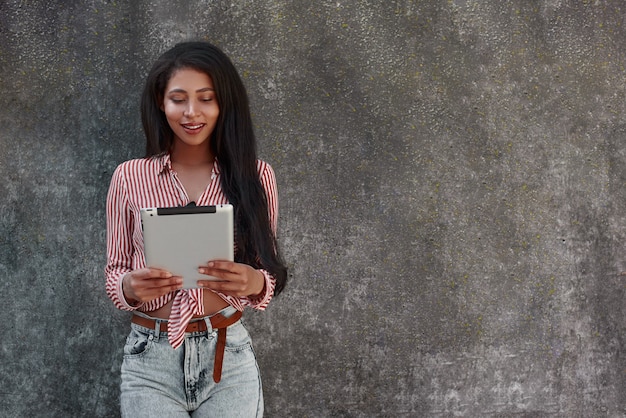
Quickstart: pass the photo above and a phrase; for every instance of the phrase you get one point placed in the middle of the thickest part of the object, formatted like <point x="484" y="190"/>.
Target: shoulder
<point x="266" y="174"/>
<point x="139" y="166"/>
<point x="264" y="168"/>
<point x="267" y="177"/>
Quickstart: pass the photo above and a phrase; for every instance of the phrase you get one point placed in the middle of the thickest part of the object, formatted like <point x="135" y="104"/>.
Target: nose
<point x="190" y="110"/>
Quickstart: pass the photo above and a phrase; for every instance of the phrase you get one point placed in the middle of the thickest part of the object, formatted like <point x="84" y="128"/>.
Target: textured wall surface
<point x="453" y="200"/>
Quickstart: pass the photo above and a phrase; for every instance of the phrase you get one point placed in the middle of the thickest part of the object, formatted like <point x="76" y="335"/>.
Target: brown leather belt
<point x="218" y="322"/>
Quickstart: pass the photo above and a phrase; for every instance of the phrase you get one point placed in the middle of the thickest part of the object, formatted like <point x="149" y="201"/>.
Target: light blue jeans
<point x="158" y="381"/>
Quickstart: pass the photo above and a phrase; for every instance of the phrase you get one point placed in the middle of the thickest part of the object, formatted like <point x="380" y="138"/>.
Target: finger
<point x="231" y="288"/>
<point x="170" y="282"/>
<point x="212" y="284"/>
<point x="159" y="288"/>
<point x="157" y="285"/>
<point x="176" y="285"/>
<point x="223" y="265"/>
<point x="151" y="273"/>
<point x="159" y="273"/>
<point x="220" y="274"/>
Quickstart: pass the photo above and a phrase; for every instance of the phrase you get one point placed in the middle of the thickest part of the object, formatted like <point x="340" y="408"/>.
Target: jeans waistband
<point x="226" y="312"/>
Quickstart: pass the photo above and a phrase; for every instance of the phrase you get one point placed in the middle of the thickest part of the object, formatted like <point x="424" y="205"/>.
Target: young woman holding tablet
<point x="188" y="353"/>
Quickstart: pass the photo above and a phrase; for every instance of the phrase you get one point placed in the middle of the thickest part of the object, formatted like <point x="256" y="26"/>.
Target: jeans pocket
<point x="237" y="338"/>
<point x="137" y="344"/>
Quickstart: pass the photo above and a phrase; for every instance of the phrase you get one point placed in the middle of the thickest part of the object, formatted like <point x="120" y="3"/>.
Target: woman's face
<point x="190" y="107"/>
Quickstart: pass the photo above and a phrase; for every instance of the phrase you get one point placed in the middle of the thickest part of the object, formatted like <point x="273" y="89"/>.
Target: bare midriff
<point x="212" y="304"/>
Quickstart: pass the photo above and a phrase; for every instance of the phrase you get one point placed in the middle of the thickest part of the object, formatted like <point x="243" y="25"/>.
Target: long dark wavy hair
<point x="233" y="143"/>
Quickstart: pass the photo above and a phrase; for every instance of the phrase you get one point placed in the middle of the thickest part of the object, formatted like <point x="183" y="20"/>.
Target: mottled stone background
<point x="452" y="178"/>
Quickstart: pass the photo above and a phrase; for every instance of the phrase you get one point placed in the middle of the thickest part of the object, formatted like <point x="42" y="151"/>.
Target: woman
<point x="187" y="353"/>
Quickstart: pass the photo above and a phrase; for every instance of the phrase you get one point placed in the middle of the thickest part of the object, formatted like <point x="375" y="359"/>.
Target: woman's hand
<point x="234" y="279"/>
<point x="147" y="284"/>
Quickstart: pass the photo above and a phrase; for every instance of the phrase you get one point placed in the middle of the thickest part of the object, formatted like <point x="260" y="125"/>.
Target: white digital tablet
<point x="181" y="239"/>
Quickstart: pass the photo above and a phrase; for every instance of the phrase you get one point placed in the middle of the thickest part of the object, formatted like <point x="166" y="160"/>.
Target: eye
<point x="177" y="98"/>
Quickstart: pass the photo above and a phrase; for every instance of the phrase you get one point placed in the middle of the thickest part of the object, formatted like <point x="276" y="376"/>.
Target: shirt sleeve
<point x="268" y="181"/>
<point x="119" y="240"/>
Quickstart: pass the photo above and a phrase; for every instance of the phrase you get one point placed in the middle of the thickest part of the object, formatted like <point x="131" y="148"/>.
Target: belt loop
<point x="209" y="327"/>
<point x="157" y="330"/>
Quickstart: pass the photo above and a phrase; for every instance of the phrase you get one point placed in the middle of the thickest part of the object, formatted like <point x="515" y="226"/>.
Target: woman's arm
<point x="129" y="289"/>
<point x="119" y="241"/>
<point x="254" y="288"/>
<point x="268" y="181"/>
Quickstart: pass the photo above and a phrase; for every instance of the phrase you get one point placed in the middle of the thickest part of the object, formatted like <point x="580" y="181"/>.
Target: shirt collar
<point x="164" y="163"/>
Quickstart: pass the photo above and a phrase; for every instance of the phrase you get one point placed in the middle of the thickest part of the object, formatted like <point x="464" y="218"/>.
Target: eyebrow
<point x="202" y="90"/>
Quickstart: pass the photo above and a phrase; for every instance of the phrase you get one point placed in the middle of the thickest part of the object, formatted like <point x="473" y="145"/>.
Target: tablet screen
<point x="181" y="239"/>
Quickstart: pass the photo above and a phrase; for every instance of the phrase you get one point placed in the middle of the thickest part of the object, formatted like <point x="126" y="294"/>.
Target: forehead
<point x="189" y="79"/>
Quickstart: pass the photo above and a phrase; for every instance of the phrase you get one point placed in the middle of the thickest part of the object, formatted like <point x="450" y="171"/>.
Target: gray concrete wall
<point x="452" y="178"/>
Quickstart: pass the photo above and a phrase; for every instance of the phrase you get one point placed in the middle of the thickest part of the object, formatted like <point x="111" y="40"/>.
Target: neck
<point x="197" y="155"/>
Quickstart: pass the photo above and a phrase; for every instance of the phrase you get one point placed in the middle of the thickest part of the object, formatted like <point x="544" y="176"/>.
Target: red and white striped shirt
<point x="151" y="182"/>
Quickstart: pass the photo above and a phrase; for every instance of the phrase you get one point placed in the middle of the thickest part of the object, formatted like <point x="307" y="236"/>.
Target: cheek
<point x="215" y="111"/>
<point x="170" y="110"/>
<point x="172" y="114"/>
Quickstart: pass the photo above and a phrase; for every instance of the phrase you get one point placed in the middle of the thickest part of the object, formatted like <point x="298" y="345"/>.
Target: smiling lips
<point x="193" y="128"/>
